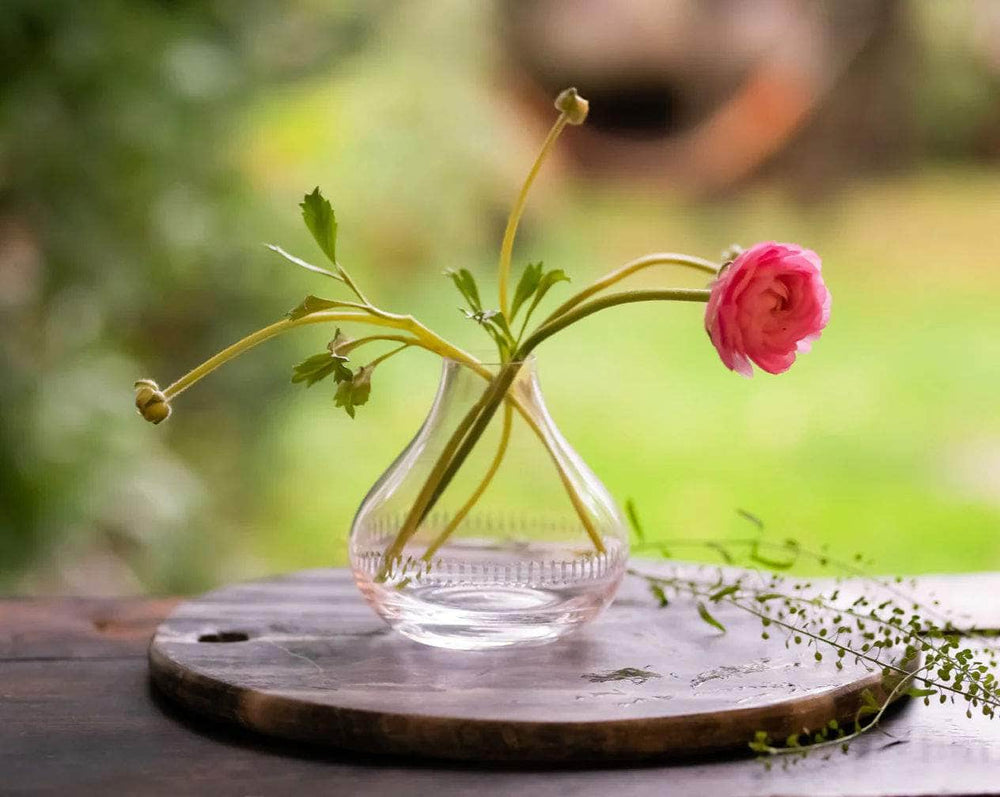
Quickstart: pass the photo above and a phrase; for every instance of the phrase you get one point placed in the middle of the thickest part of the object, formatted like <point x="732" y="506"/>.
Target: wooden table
<point x="77" y="717"/>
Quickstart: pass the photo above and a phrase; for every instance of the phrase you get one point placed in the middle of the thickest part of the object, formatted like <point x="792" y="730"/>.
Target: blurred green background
<point x="148" y="149"/>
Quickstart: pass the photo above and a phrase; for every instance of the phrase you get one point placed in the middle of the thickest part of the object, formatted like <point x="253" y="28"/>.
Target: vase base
<point x="463" y="618"/>
<point x="491" y="604"/>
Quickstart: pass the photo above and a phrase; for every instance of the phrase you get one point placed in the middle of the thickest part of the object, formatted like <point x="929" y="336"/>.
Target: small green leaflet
<point x="534" y="282"/>
<point x="319" y="367"/>
<point x="311" y="304"/>
<point x="715" y="597"/>
<point x="466" y="285"/>
<point x="526" y="286"/>
<point x="659" y="594"/>
<point x="633" y="519"/>
<point x="921" y="692"/>
<point x="354" y="392"/>
<point x="298" y="261"/>
<point x="317" y="213"/>
<point x="705" y="615"/>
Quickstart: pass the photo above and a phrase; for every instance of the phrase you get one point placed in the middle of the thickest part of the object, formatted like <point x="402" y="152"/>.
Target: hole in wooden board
<point x="224" y="636"/>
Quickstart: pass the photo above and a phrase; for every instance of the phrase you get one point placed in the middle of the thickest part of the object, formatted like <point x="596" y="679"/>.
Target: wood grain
<point x="308" y="660"/>
<point x="77" y="717"/>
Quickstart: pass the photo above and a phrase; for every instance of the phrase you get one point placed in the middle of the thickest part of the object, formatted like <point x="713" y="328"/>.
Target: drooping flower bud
<point x="573" y="105"/>
<point x="150" y="401"/>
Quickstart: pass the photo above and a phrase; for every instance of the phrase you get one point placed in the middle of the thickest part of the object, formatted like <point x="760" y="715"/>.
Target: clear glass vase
<point x="516" y="549"/>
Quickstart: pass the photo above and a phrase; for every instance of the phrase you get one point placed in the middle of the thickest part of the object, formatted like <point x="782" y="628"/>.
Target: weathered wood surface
<point x="303" y="657"/>
<point x="77" y="717"/>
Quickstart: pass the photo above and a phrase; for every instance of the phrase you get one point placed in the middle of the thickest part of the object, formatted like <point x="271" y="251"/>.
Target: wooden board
<point x="303" y="657"/>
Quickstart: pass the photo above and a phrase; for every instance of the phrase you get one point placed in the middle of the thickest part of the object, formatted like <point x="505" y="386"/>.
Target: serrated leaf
<point x="311" y="304"/>
<point x="317" y="213"/>
<point x="706" y="615"/>
<point x="526" y="287"/>
<point x="298" y="261"/>
<point x="320" y="366"/>
<point x="466" y="285"/>
<point x="355" y="391"/>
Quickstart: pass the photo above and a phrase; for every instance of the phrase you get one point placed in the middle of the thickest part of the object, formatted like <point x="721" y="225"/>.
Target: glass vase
<point x="522" y="545"/>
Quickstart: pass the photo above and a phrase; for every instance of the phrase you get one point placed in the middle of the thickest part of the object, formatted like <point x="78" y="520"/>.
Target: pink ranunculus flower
<point x="769" y="304"/>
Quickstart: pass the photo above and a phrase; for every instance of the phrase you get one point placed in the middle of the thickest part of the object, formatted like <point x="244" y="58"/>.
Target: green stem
<point x="467" y="507"/>
<point x="644" y="262"/>
<point x="388" y="354"/>
<point x="475" y="422"/>
<point x="507" y="247"/>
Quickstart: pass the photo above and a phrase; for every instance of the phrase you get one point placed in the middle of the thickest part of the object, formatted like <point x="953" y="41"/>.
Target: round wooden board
<point x="303" y="657"/>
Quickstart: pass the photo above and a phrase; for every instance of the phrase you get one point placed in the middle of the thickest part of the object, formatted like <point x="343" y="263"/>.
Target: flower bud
<point x="150" y="401"/>
<point x="573" y="105"/>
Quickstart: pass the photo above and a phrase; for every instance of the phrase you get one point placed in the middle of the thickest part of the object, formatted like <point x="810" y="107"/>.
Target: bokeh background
<point x="148" y="149"/>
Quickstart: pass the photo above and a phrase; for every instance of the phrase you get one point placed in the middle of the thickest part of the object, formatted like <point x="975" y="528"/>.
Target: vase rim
<point x="489" y="358"/>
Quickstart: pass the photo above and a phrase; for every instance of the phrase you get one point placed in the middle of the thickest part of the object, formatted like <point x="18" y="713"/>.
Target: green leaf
<point x="715" y="597"/>
<point x="659" y="594"/>
<point x="773" y="564"/>
<point x="466" y="285"/>
<point x="355" y="391"/>
<point x="317" y="213"/>
<point x="633" y="519"/>
<point x="706" y="615"/>
<point x="304" y="264"/>
<point x="547" y="280"/>
<point x="311" y="304"/>
<point x="320" y="366"/>
<point x="722" y="551"/>
<point x="921" y="692"/>
<point x="526" y="287"/>
<point x="751" y="517"/>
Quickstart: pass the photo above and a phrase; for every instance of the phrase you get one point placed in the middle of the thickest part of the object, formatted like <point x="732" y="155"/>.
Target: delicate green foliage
<point x="317" y="213"/>
<point x="495" y="325"/>
<point x="722" y="551"/>
<point x="312" y="304"/>
<point x="886" y="630"/>
<point x="466" y="285"/>
<point x="706" y="615"/>
<point x="659" y="594"/>
<point x="304" y="264"/>
<point x="717" y="596"/>
<point x="534" y="283"/>
<point x="547" y="280"/>
<point x="319" y="367"/>
<point x="355" y="391"/>
<point x="526" y="287"/>
<point x="633" y="519"/>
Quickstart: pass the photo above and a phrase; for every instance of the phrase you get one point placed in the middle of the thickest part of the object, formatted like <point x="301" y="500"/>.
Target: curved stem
<point x="474" y="424"/>
<point x="388" y="354"/>
<point x="507" y="247"/>
<point x="554" y="325"/>
<point x="461" y="514"/>
<point x="347" y="348"/>
<point x="630" y="268"/>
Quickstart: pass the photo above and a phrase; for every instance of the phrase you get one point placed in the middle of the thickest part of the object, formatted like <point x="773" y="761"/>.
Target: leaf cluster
<point x="353" y="386"/>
